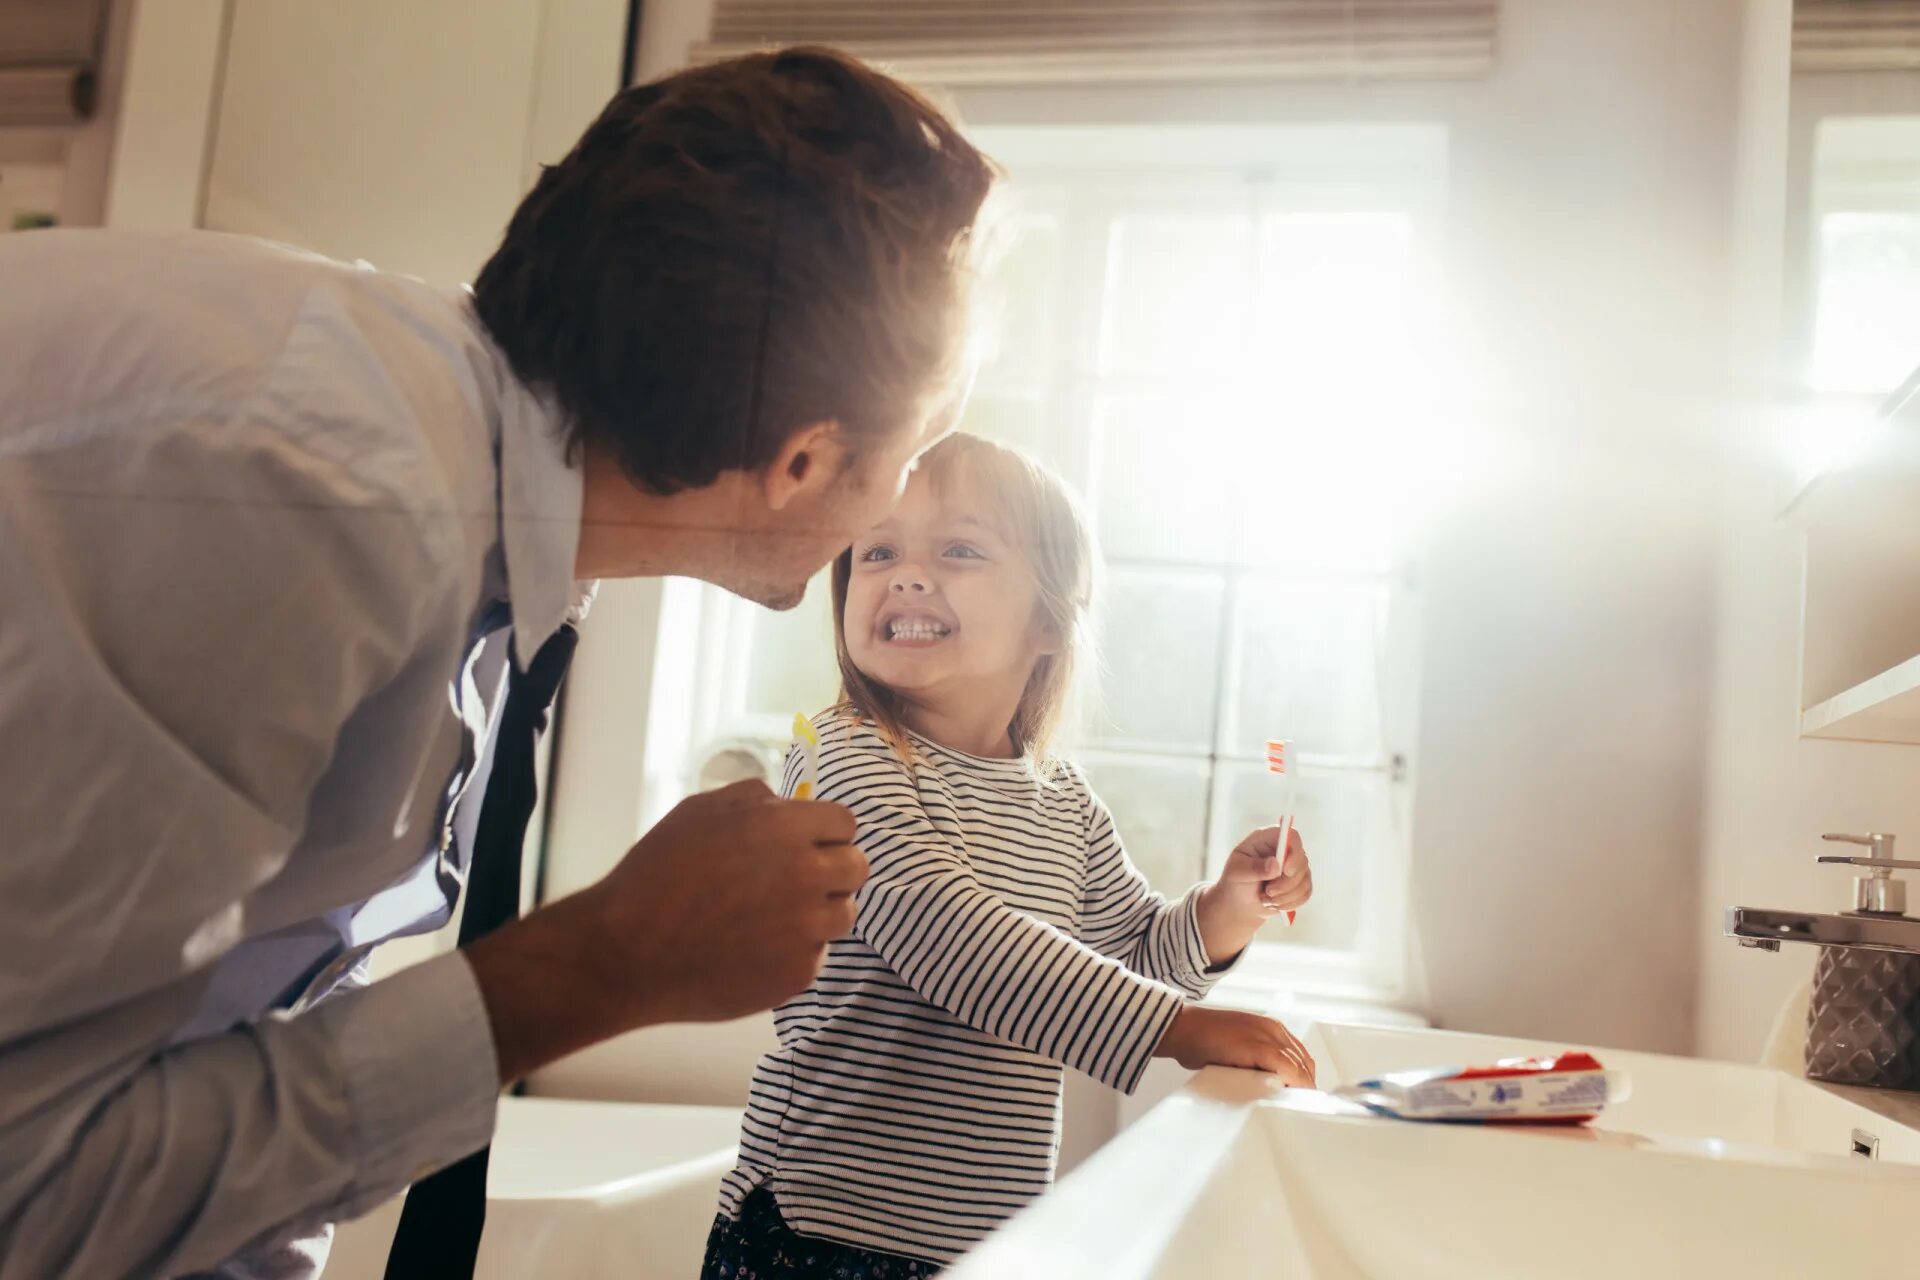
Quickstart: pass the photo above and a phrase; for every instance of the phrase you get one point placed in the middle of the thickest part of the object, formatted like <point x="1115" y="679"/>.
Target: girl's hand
<point x="1202" y="1037"/>
<point x="1257" y="884"/>
<point x="1254" y="886"/>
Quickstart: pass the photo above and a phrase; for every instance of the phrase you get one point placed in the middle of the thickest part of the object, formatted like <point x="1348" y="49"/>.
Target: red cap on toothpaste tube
<point x="1567" y="1088"/>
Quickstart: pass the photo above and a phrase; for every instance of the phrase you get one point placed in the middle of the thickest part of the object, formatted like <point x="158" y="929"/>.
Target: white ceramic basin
<point x="1755" y="1113"/>
<point x="1711" y="1169"/>
<point x="583" y="1189"/>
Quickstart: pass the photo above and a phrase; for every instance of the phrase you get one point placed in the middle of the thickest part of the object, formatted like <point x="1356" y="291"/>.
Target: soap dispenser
<point x="1863" y="1019"/>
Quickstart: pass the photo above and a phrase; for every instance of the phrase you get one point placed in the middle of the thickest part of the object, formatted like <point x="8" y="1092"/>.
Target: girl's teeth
<point x="915" y="631"/>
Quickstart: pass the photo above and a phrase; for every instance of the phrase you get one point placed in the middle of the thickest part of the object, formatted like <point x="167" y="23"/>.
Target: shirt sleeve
<point x="230" y="1143"/>
<point x="1123" y="917"/>
<point x="960" y="947"/>
<point x="156" y="591"/>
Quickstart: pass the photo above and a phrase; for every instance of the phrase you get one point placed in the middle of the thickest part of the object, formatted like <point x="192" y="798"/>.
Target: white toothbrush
<point x="808" y="741"/>
<point x="1277" y="753"/>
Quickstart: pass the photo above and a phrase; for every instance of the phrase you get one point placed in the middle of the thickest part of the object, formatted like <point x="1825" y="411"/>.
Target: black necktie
<point x="439" y="1233"/>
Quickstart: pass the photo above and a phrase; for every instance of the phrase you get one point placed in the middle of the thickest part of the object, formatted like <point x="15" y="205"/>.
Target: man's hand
<point x="1254" y="886"/>
<point x="1202" y="1037"/>
<point x="726" y="907"/>
<point x="723" y="909"/>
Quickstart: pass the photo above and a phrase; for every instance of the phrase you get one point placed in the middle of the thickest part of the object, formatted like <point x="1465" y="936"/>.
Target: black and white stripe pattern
<point x="914" y="1103"/>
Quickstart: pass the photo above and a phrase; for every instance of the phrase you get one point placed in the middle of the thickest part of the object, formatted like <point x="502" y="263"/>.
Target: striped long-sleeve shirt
<point x="914" y="1102"/>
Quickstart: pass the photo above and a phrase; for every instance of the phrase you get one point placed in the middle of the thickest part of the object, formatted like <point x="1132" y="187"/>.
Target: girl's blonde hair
<point x="1036" y="513"/>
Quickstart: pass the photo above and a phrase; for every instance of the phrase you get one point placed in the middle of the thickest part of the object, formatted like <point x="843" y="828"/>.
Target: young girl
<point x="914" y="1102"/>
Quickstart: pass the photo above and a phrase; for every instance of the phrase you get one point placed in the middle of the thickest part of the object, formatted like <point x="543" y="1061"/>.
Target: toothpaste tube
<point x="1569" y="1088"/>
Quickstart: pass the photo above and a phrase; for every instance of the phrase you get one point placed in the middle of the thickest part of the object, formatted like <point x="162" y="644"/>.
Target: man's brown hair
<point x="740" y="250"/>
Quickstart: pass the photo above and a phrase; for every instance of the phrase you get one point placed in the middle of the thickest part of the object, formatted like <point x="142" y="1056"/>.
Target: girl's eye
<point x="876" y="553"/>
<point x="961" y="551"/>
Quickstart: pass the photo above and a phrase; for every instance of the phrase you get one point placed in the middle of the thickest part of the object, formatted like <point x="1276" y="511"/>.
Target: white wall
<point x="1770" y="794"/>
<point x="1568" y="601"/>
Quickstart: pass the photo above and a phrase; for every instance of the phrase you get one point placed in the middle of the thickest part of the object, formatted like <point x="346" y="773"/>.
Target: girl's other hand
<point x="1202" y="1037"/>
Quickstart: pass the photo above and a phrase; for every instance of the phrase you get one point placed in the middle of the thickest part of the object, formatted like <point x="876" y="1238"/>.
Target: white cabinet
<point x="402" y="134"/>
<point x="31" y="194"/>
<point x="55" y="154"/>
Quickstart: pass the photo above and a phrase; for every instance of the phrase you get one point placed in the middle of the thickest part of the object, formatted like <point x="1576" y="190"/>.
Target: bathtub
<point x="583" y="1189"/>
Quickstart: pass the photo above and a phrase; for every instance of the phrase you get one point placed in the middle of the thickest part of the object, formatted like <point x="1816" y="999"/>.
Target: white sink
<point x="1709" y="1108"/>
<point x="583" y="1189"/>
<point x="1710" y="1169"/>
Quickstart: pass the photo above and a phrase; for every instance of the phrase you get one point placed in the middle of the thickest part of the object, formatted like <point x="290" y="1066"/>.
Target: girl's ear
<point x="1044" y="635"/>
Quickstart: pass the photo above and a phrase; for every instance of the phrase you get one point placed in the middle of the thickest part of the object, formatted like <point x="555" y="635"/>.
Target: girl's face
<point x="940" y="607"/>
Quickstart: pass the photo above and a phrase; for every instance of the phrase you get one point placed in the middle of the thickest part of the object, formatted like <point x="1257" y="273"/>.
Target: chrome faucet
<point x="1863" y="1007"/>
<point x="1878" y="921"/>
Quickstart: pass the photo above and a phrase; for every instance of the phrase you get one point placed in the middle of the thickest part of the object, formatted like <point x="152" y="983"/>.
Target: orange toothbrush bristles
<point x="1277" y="763"/>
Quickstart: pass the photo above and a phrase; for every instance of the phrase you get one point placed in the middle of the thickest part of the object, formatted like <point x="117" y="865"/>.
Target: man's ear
<point x="808" y="464"/>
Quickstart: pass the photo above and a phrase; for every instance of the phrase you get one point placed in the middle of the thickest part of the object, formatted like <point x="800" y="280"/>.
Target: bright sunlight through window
<point x="1866" y="250"/>
<point x="1218" y="338"/>
<point x="1867" y="326"/>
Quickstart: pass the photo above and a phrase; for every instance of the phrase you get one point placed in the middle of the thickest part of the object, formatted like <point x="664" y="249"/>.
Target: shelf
<point x="1880" y="476"/>
<point x="1883" y="708"/>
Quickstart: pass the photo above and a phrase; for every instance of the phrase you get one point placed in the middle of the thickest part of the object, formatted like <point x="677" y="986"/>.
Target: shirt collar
<point x="540" y="500"/>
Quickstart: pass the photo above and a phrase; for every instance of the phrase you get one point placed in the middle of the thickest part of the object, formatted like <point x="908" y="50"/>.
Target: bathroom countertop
<point x="1902" y="1106"/>
<point x="1725" y="1168"/>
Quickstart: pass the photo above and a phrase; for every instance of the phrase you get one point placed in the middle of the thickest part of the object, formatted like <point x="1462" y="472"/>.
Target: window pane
<point x="1336" y="818"/>
<point x="792" y="667"/>
<point x="1306" y="667"/>
<point x="1018" y="420"/>
<point x="1159" y="648"/>
<point x="1019" y="296"/>
<point x="1177" y="294"/>
<point x="1327" y="437"/>
<point x="1159" y="807"/>
<point x="1867" y="331"/>
<point x="1162" y="490"/>
<point x="1321" y="486"/>
<point x="1333" y="297"/>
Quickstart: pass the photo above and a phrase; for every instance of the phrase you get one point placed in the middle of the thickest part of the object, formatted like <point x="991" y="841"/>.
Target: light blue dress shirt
<point x="253" y="507"/>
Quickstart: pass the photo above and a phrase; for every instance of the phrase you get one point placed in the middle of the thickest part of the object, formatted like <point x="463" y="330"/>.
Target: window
<point x="1867" y="326"/>
<point x="1216" y="336"/>
<point x="1861" y="317"/>
<point x="1866" y="231"/>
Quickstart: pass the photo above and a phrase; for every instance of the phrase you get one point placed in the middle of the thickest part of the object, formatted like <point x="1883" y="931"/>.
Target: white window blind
<point x="959" y="42"/>
<point x="48" y="50"/>
<point x="1856" y="35"/>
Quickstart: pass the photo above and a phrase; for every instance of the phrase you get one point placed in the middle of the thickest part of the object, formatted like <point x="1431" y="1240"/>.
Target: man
<point x="260" y="511"/>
